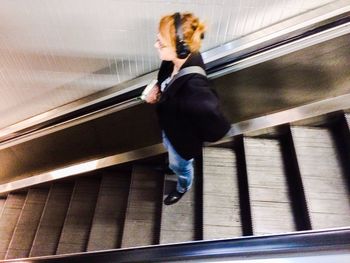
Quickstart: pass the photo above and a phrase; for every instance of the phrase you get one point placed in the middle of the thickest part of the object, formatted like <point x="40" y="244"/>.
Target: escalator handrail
<point x="296" y="243"/>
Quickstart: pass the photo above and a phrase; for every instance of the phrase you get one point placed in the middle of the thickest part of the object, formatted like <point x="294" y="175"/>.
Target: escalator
<point x="279" y="185"/>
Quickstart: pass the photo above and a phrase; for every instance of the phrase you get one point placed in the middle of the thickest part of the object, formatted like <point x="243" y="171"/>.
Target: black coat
<point x="188" y="110"/>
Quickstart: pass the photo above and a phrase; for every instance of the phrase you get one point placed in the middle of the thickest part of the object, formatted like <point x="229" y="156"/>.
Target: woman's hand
<point x="153" y="95"/>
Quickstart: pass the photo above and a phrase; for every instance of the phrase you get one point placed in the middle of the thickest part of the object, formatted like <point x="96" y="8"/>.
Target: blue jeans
<point x="182" y="168"/>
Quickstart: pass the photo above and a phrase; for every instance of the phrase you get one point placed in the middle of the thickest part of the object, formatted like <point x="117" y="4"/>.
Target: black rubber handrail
<point x="268" y="245"/>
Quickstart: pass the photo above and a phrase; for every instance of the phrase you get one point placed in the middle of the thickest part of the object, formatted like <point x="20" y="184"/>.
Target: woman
<point x="188" y="111"/>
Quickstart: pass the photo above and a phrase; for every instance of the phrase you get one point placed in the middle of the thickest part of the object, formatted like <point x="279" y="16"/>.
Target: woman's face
<point x="165" y="50"/>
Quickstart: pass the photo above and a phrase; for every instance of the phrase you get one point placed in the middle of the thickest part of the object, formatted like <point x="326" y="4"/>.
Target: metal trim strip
<point x="83" y="167"/>
<point x="303" y="112"/>
<point x="287" y="48"/>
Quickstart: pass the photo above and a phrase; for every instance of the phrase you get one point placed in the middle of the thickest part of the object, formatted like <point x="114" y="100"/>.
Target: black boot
<point x="173" y="197"/>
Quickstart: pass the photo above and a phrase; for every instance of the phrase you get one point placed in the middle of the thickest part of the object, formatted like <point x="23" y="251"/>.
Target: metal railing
<point x="331" y="243"/>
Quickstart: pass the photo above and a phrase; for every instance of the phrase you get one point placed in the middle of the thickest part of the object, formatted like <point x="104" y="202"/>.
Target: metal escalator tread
<point x="11" y="212"/>
<point x="27" y="224"/>
<point x="271" y="206"/>
<point x="324" y="184"/>
<point x="49" y="230"/>
<point x="143" y="211"/>
<point x="2" y="204"/>
<point x="178" y="220"/>
<point x="79" y="216"/>
<point x="107" y="226"/>
<point x="221" y="208"/>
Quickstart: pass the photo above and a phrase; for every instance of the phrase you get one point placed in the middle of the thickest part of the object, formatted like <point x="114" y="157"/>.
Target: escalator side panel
<point x="270" y="203"/>
<point x="27" y="225"/>
<point x="49" y="230"/>
<point x="108" y="222"/>
<point x="221" y="207"/>
<point x="325" y="186"/>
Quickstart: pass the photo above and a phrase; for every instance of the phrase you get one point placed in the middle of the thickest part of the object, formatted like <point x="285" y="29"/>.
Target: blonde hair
<point x="193" y="30"/>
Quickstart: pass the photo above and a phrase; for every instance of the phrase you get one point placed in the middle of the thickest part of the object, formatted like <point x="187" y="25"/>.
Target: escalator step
<point x="178" y="220"/>
<point x="221" y="208"/>
<point x="11" y="212"/>
<point x="80" y="213"/>
<point x="141" y="225"/>
<point x="27" y="225"/>
<point x="324" y="184"/>
<point x="51" y="223"/>
<point x="107" y="226"/>
<point x="2" y="204"/>
<point x="270" y="202"/>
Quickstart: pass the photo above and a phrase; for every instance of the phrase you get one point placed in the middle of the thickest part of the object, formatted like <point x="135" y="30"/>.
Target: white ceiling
<point x="54" y="52"/>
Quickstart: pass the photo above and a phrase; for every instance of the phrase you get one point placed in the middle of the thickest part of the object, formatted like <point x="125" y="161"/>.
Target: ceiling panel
<point x="55" y="52"/>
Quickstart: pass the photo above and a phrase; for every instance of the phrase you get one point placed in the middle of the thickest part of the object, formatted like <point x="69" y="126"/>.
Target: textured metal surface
<point x="324" y="183"/>
<point x="107" y="225"/>
<point x="75" y="232"/>
<point x="143" y="211"/>
<point x="58" y="52"/>
<point x="11" y="212"/>
<point x="221" y="209"/>
<point x="28" y="221"/>
<point x="178" y="220"/>
<point x="51" y="223"/>
<point x="268" y="190"/>
<point x="2" y="204"/>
